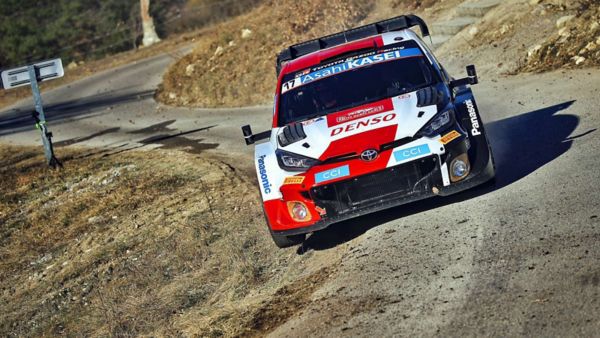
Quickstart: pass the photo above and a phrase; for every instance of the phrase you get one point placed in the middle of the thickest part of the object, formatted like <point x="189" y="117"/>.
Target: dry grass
<point x="574" y="46"/>
<point x="150" y="243"/>
<point x="244" y="72"/>
<point x="287" y="301"/>
<point x="507" y="42"/>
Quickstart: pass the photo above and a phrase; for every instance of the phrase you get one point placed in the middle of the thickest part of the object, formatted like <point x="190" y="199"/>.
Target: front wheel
<point x="283" y="241"/>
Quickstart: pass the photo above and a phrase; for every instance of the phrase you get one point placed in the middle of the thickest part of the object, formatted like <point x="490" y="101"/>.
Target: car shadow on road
<point x="157" y="136"/>
<point x="21" y="119"/>
<point x="176" y="140"/>
<point x="521" y="144"/>
<point x="75" y="140"/>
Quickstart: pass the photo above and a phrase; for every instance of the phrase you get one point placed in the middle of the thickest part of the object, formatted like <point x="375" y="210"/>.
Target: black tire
<point x="283" y="241"/>
<point x="491" y="159"/>
<point x="491" y="183"/>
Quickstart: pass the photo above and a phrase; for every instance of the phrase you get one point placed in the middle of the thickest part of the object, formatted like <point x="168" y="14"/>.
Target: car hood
<point x="350" y="132"/>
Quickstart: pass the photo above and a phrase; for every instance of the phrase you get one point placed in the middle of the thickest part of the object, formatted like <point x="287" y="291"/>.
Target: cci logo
<point x="332" y="174"/>
<point x="405" y="154"/>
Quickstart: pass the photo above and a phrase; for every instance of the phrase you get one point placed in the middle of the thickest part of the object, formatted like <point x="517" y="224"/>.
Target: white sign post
<point x="31" y="75"/>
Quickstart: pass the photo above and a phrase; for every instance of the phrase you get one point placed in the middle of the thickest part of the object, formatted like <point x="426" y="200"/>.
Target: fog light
<point x="298" y="211"/>
<point x="459" y="168"/>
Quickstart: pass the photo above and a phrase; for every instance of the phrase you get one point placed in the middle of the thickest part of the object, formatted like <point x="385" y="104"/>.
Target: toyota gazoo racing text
<point x="364" y="120"/>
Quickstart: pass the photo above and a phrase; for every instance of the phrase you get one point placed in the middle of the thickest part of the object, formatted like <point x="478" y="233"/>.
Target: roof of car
<point x="376" y="41"/>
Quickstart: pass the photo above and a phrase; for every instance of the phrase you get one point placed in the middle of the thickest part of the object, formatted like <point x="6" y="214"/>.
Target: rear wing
<point x="389" y="25"/>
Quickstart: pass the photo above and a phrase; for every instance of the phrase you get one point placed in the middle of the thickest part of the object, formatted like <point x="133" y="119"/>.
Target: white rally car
<point x="364" y="120"/>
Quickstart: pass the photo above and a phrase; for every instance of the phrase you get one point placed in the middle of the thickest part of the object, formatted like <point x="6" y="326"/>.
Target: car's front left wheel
<point x="283" y="241"/>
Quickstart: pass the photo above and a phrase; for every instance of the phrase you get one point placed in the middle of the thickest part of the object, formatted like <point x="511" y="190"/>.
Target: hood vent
<point x="291" y="133"/>
<point x="428" y="97"/>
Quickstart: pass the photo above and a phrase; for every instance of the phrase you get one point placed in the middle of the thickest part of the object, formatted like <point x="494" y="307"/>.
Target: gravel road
<point x="517" y="258"/>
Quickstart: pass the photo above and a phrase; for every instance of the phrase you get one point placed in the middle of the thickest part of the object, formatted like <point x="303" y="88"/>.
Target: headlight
<point x="294" y="162"/>
<point x="438" y="123"/>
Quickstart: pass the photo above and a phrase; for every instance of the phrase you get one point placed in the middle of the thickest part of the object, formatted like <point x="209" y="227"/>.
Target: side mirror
<point x="472" y="72"/>
<point x="251" y="138"/>
<point x="472" y="78"/>
<point x="248" y="137"/>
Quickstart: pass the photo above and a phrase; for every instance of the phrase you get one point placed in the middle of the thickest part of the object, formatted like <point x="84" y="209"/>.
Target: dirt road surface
<point x="517" y="258"/>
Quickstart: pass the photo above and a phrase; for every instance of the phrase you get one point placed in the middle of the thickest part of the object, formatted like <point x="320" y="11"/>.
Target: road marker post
<point x="31" y="75"/>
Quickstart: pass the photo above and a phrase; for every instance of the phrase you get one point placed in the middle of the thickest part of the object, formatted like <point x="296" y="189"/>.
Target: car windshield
<point x="353" y="82"/>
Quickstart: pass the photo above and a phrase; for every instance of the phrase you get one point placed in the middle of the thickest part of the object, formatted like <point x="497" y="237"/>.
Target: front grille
<point x="366" y="190"/>
<point x="341" y="158"/>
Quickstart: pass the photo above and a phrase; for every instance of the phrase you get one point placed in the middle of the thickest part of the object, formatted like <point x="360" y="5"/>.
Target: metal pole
<point x="40" y="119"/>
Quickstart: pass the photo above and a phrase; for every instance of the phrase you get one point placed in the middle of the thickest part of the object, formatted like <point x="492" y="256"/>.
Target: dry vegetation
<point x="152" y="243"/>
<point x="228" y="70"/>
<point x="413" y="4"/>
<point x="170" y="243"/>
<point x="200" y="13"/>
<point x="507" y="41"/>
<point x="195" y="18"/>
<point x="76" y="71"/>
<point x="575" y="41"/>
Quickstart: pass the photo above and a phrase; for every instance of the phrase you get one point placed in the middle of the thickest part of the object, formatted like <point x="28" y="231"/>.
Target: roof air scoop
<point x="390" y="25"/>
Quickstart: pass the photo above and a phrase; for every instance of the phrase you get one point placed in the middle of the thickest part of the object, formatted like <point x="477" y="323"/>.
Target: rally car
<point x="364" y="120"/>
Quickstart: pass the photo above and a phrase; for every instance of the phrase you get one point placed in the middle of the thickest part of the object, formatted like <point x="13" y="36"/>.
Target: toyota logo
<point x="369" y="155"/>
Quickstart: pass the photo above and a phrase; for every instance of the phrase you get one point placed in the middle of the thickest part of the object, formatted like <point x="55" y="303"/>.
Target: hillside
<point x="77" y="30"/>
<point x="575" y="41"/>
<point x="234" y="64"/>
<point x="73" y="30"/>
<point x="91" y="37"/>
<point x="131" y="243"/>
<point x="506" y="41"/>
<point x="154" y="226"/>
<point x="226" y="69"/>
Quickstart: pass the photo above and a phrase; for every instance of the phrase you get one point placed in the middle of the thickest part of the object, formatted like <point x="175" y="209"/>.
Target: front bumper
<point x="394" y="186"/>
